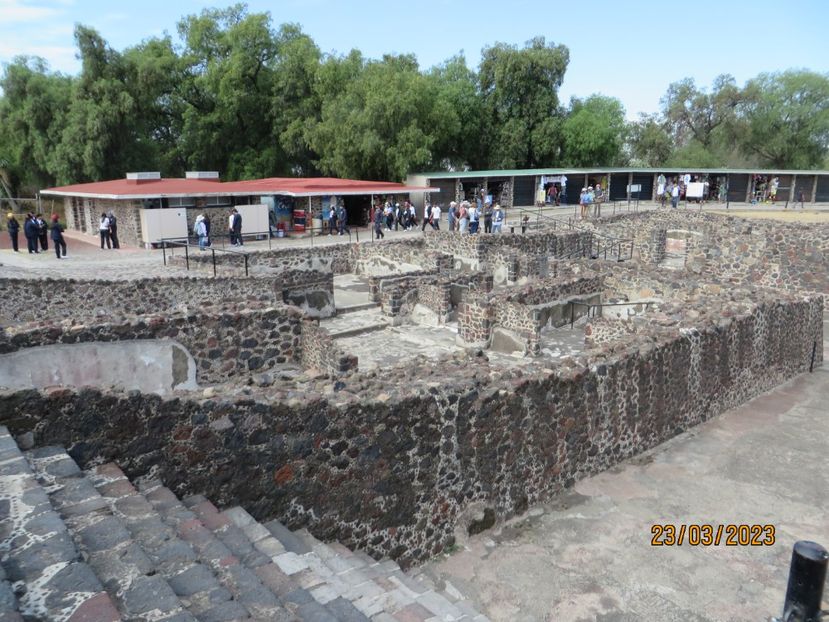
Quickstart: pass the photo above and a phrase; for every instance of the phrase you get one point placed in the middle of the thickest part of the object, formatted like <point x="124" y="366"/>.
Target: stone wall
<point x="127" y="213"/>
<point x="27" y="300"/>
<point x="599" y="331"/>
<point x="392" y="474"/>
<point x="320" y="351"/>
<point x="224" y="346"/>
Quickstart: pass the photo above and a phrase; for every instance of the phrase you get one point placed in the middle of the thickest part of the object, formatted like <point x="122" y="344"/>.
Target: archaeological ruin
<point x="354" y="407"/>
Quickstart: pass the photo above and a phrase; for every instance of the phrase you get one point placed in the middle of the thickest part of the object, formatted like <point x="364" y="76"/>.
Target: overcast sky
<point x="628" y="49"/>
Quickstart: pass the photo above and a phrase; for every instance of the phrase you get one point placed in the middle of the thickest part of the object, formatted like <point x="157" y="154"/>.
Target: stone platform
<point x="90" y="546"/>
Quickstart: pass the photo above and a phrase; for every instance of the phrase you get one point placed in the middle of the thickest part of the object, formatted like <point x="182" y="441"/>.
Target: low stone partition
<point x="224" y="345"/>
<point x="527" y="310"/>
<point x="309" y="290"/>
<point x="599" y="331"/>
<point x="336" y="258"/>
<point x="393" y="470"/>
<point x="321" y="352"/>
<point x="32" y="300"/>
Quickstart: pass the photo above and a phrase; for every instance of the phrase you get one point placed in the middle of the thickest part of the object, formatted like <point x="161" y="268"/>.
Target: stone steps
<point x="357" y="307"/>
<point x="90" y="545"/>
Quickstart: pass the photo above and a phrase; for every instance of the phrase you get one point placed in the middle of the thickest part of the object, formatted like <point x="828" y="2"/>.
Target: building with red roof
<point x="150" y="208"/>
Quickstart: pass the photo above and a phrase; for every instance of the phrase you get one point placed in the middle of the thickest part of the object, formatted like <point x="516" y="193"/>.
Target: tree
<point x="521" y="107"/>
<point x="594" y="132"/>
<point x="649" y="142"/>
<point x="785" y="119"/>
<point x="32" y="119"/>
<point x="694" y="114"/>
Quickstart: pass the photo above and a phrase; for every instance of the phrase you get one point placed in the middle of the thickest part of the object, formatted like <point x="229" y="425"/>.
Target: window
<point x="181" y="202"/>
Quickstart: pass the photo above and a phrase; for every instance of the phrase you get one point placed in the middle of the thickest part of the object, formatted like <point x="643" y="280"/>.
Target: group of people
<point x="590" y="196"/>
<point x="37" y="234"/>
<point x="338" y="220"/>
<point x="465" y="217"/>
<point x="108" y="229"/>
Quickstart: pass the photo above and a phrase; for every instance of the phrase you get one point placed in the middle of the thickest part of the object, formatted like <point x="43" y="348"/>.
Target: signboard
<point x="694" y="190"/>
<point x="634" y="188"/>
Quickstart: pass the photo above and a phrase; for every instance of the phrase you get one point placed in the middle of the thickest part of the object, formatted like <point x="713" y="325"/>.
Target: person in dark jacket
<point x="113" y="230"/>
<point x="237" y="227"/>
<point x="206" y="221"/>
<point x="14" y="229"/>
<point x="42" y="232"/>
<point x="31" y="233"/>
<point x="57" y="237"/>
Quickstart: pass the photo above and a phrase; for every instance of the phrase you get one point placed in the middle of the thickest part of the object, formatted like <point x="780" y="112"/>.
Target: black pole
<point x="164" y="250"/>
<point x="246" y="261"/>
<point x="213" y="251"/>
<point x="187" y="255"/>
<point x="814" y="351"/>
<point x="807" y="575"/>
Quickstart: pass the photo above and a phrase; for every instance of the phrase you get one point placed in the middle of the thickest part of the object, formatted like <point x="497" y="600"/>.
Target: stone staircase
<point x="88" y="546"/>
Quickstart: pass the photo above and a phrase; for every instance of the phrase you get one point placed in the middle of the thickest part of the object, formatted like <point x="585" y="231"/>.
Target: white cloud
<point x="18" y="11"/>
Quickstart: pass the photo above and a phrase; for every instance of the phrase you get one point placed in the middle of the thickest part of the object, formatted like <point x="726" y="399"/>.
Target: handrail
<point x="174" y="242"/>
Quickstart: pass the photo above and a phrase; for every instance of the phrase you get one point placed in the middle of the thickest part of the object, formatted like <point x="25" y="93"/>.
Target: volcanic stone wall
<point x="792" y="257"/>
<point x="28" y="300"/>
<point x="320" y="351"/>
<point x="392" y="473"/>
<point x="224" y="346"/>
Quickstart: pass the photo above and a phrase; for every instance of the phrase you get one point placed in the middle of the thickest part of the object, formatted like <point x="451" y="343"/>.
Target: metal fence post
<point x="164" y="250"/>
<point x="187" y="255"/>
<point x="213" y="251"/>
<point x="807" y="575"/>
<point x="246" y="264"/>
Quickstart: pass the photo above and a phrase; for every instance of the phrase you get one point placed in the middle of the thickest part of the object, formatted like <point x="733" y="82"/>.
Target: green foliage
<point x="234" y="94"/>
<point x="594" y="132"/>
<point x="786" y="119"/>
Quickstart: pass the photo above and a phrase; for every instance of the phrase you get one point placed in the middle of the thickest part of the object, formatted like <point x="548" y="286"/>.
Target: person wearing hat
<point x="497" y="219"/>
<point x="57" y="237"/>
<point x="13" y="228"/>
<point x="583" y="203"/>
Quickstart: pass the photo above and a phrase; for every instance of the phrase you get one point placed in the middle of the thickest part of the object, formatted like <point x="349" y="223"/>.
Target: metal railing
<point x="593" y="307"/>
<point x="177" y="243"/>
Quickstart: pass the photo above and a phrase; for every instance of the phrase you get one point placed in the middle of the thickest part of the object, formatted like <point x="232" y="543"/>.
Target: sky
<point x="631" y="50"/>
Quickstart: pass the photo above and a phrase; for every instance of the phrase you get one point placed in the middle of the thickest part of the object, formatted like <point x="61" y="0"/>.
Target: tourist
<point x="427" y="214"/>
<point x="775" y="183"/>
<point x="378" y="223"/>
<point x="103" y="230"/>
<point x="488" y="218"/>
<point x="451" y="215"/>
<point x="206" y="220"/>
<point x="332" y="219"/>
<point x="660" y="186"/>
<point x="497" y="219"/>
<point x="13" y="228"/>
<point x="237" y="227"/>
<point x="551" y="194"/>
<point x="42" y="232"/>
<point x="388" y="212"/>
<point x="57" y="238"/>
<point x="30" y="231"/>
<point x="474" y="217"/>
<point x="435" y="218"/>
<point x="675" y="195"/>
<point x="113" y="229"/>
<point x="412" y="216"/>
<point x="583" y="204"/>
<point x="563" y="194"/>
<point x="463" y="217"/>
<point x="230" y="233"/>
<point x="341" y="220"/>
<point x="200" y="229"/>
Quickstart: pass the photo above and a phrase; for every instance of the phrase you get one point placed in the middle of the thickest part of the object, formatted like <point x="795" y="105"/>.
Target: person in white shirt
<point x="563" y="193"/>
<point x="435" y="222"/>
<point x="427" y="214"/>
<point x="675" y="195"/>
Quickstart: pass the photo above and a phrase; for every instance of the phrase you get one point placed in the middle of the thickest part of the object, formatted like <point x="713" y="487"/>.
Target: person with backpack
<point x="113" y="229"/>
<point x="474" y="218"/>
<point x="57" y="238"/>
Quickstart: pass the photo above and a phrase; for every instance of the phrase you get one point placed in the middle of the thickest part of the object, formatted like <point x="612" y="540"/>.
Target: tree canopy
<point x="232" y="92"/>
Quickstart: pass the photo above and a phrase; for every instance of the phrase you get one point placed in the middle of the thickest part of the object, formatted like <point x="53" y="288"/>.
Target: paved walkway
<point x="588" y="554"/>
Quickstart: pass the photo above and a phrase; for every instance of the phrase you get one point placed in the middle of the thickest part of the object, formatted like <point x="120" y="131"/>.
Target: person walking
<point x="42" y="232"/>
<point x="230" y="234"/>
<point x="474" y="218"/>
<point x="237" y="227"/>
<point x="13" y="228"/>
<point x="332" y="219"/>
<point x="200" y="229"/>
<point x="57" y="238"/>
<point x="497" y="219"/>
<point x="103" y="230"/>
<point x="583" y="203"/>
<point x="451" y="215"/>
<point x="30" y="231"/>
<point x="435" y="218"/>
<point x="427" y="214"/>
<point x="342" y="224"/>
<point x="487" y="218"/>
<point x="675" y="195"/>
<point x="378" y="223"/>
<point x="206" y="221"/>
<point x="113" y="229"/>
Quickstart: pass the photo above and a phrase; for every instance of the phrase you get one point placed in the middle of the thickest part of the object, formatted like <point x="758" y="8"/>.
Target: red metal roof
<point x="291" y="186"/>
